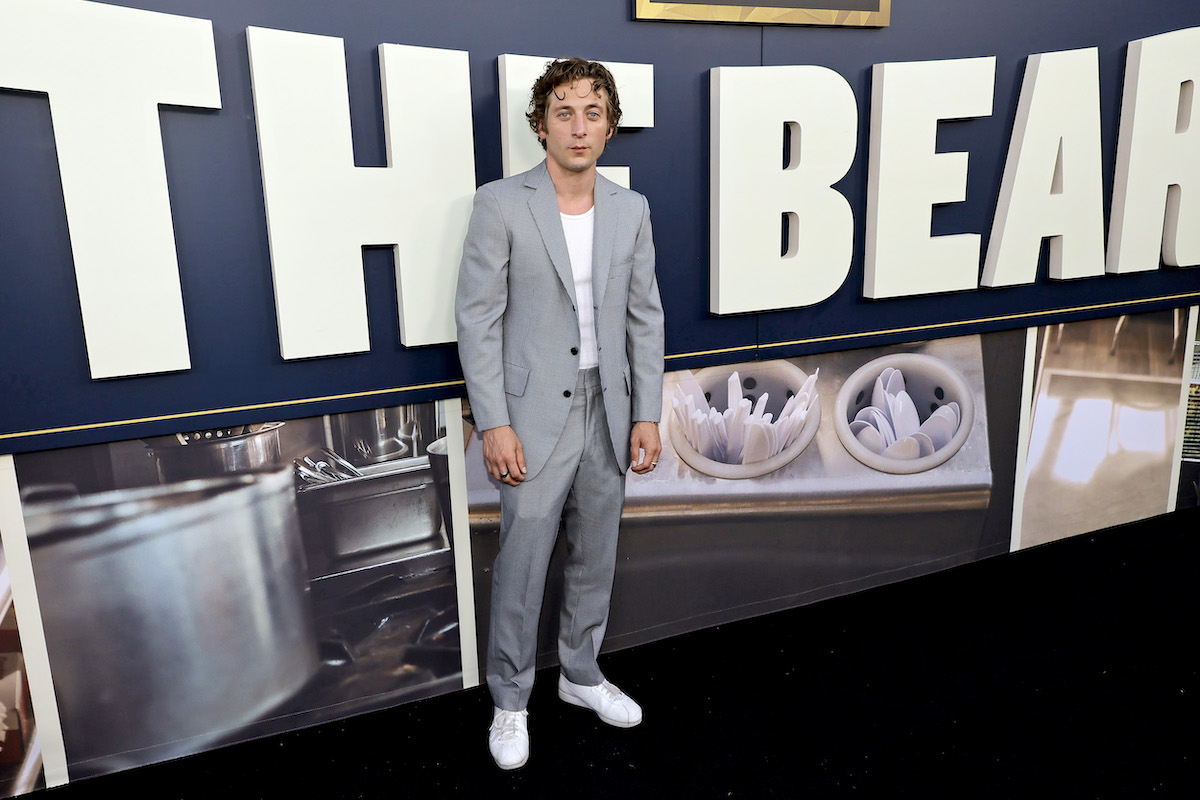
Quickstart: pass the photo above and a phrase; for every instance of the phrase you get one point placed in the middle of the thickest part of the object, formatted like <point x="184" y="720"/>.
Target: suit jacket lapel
<point x="543" y="205"/>
<point x="605" y="226"/>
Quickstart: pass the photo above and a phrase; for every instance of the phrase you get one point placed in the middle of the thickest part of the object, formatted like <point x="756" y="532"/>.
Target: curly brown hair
<point x="570" y="70"/>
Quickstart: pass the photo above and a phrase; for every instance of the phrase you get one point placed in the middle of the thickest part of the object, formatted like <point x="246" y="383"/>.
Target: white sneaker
<point x="610" y="703"/>
<point x="508" y="738"/>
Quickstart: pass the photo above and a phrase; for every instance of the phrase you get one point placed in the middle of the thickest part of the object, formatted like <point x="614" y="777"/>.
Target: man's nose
<point x="578" y="128"/>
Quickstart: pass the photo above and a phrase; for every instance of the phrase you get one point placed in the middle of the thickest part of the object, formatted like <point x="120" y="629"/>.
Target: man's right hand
<point x="503" y="455"/>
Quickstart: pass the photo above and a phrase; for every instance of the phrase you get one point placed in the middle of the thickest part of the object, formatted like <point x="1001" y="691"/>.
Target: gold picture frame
<point x="852" y="13"/>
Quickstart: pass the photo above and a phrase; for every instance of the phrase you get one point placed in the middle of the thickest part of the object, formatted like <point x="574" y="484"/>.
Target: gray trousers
<point x="582" y="486"/>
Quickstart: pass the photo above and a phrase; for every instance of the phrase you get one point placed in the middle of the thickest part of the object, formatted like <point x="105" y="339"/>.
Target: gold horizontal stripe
<point x="943" y="325"/>
<point x="738" y="349"/>
<point x="253" y="407"/>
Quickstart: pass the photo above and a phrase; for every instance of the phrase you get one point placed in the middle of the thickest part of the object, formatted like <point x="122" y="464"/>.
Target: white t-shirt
<point x="578" y="230"/>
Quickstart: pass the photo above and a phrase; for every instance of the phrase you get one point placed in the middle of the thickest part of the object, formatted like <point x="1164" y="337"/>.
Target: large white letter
<point x="907" y="177"/>
<point x="755" y="196"/>
<point x="519" y="148"/>
<point x="1052" y="185"/>
<point x="321" y="209"/>
<point x="1156" y="190"/>
<point x="106" y="69"/>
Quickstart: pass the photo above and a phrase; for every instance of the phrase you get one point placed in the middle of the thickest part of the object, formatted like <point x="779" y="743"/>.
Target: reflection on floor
<point x="1104" y="425"/>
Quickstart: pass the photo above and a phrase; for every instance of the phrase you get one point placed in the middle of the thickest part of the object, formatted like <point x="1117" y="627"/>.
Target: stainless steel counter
<point x="823" y="479"/>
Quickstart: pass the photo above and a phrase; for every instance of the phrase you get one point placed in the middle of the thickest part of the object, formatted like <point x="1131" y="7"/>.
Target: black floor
<point x="1064" y="671"/>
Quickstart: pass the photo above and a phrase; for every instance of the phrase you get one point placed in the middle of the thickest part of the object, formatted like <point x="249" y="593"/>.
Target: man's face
<point x="576" y="125"/>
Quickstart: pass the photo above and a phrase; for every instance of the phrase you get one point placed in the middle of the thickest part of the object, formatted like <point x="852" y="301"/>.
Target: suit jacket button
<point x="567" y="394"/>
<point x="574" y="351"/>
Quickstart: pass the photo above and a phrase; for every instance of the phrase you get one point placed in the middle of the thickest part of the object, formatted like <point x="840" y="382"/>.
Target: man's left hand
<point x="644" y="447"/>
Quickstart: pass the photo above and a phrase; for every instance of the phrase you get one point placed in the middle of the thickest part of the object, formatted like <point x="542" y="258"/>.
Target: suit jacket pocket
<point x="515" y="378"/>
<point x="622" y="269"/>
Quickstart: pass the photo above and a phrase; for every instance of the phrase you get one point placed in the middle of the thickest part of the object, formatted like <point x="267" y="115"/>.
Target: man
<point x="560" y="334"/>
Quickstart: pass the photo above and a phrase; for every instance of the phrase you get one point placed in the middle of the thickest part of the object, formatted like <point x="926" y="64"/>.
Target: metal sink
<point x="393" y="505"/>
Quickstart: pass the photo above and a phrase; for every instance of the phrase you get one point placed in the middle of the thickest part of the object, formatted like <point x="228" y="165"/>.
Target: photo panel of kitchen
<point x="218" y="585"/>
<point x="773" y="489"/>
<point x="1105" y="444"/>
<point x="1188" y="494"/>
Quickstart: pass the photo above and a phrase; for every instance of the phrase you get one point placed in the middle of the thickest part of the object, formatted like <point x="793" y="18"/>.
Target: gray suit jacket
<point x="518" y="331"/>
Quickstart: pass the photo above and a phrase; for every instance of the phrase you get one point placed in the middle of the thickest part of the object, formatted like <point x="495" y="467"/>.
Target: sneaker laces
<point x="611" y="692"/>
<point x="508" y="724"/>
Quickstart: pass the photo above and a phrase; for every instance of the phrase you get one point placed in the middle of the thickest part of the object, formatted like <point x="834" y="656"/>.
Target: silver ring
<point x="503" y="475"/>
<point x="654" y="463"/>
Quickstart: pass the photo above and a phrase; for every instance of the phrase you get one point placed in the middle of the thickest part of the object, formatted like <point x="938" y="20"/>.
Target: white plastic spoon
<point x="904" y="415"/>
<point x="906" y="448"/>
<point x="870" y="439"/>
<point x="939" y="428"/>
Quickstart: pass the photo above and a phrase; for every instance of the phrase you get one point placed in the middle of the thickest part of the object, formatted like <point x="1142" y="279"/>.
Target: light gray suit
<point x="518" y="340"/>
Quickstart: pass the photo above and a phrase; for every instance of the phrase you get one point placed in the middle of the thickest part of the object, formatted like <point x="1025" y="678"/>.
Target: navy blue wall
<point x="220" y="227"/>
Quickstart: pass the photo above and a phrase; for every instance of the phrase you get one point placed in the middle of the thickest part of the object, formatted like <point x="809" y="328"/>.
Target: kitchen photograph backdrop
<point x="739" y="520"/>
<point x="218" y="585"/>
<point x="1188" y="495"/>
<point x="1108" y="408"/>
<point x="223" y="584"/>
<point x="777" y="539"/>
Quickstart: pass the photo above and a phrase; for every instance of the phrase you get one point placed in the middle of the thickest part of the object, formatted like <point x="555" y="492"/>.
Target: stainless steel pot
<point x="218" y="451"/>
<point x="172" y="614"/>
